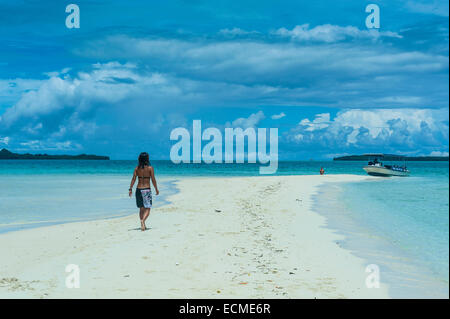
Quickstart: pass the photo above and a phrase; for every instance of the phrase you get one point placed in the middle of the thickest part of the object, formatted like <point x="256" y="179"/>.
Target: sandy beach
<point x="237" y="237"/>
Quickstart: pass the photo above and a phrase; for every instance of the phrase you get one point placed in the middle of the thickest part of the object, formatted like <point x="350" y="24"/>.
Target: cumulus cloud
<point x="236" y="32"/>
<point x="4" y="140"/>
<point x="438" y="153"/>
<point x="332" y="33"/>
<point x="67" y="96"/>
<point x="278" y="116"/>
<point x="39" y="145"/>
<point x="64" y="109"/>
<point x="58" y="73"/>
<point x="321" y="121"/>
<point x="12" y="89"/>
<point x="111" y="99"/>
<point x="246" y="122"/>
<point x="383" y="130"/>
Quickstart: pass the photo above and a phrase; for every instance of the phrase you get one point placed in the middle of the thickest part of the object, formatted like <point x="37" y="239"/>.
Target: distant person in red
<point x="322" y="171"/>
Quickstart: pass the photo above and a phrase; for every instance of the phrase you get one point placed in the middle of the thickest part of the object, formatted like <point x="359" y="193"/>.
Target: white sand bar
<point x="249" y="237"/>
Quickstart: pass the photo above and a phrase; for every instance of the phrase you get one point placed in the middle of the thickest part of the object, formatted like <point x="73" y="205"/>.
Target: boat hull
<point x="383" y="171"/>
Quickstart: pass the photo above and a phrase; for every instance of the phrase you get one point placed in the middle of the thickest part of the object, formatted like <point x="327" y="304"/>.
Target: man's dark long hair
<point x="143" y="160"/>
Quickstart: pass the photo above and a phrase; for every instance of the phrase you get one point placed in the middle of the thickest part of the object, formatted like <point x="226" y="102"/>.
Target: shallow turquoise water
<point x="412" y="213"/>
<point x="404" y="221"/>
<point x="167" y="168"/>
<point x="400" y="224"/>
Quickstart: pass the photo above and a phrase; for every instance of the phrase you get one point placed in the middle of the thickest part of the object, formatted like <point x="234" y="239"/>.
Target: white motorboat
<point x="376" y="168"/>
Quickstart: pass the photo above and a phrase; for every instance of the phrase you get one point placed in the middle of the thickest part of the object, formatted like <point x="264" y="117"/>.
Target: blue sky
<point x="134" y="71"/>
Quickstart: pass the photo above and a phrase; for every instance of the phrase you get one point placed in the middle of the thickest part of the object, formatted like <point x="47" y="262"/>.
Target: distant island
<point x="7" y="155"/>
<point x="391" y="157"/>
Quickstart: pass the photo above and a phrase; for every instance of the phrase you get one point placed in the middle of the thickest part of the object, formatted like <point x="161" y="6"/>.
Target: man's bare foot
<point x="143" y="226"/>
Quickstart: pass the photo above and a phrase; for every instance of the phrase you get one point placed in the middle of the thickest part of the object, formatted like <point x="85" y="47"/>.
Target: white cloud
<point x="12" y="89"/>
<point x="400" y="100"/>
<point x="278" y="116"/>
<point x="236" y="32"/>
<point x="384" y="119"/>
<point x="73" y="108"/>
<point x="4" y="140"/>
<point x="246" y="122"/>
<point x="331" y="33"/>
<point x="58" y="73"/>
<point x="278" y="72"/>
<point x="321" y="121"/>
<point x="106" y="83"/>
<point x="438" y="153"/>
<point x="38" y="145"/>
<point x="408" y="130"/>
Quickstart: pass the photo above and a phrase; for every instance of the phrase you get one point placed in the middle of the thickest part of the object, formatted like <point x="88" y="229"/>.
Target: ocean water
<point x="167" y="168"/>
<point x="37" y="193"/>
<point x="400" y="224"/>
